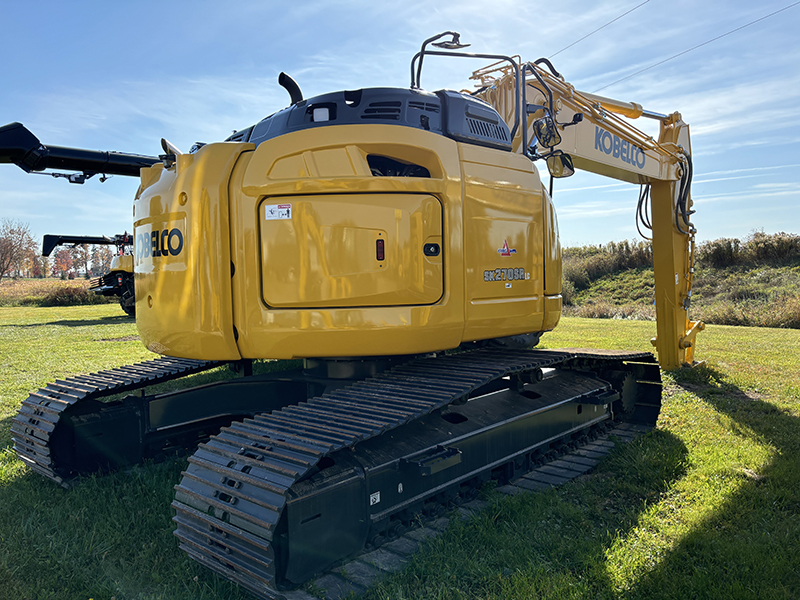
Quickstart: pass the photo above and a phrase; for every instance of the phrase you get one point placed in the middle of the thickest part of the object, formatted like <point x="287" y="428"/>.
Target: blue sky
<point x="122" y="75"/>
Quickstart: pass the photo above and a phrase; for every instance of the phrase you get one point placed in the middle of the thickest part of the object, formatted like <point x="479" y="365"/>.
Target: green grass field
<point x="705" y="506"/>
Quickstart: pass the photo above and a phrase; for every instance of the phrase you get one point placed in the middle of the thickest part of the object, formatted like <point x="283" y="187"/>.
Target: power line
<point x="599" y="28"/>
<point x="698" y="46"/>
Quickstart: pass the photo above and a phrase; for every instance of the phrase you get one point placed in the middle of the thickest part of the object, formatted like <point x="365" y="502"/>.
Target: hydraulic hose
<point x="682" y="212"/>
<point x="642" y="211"/>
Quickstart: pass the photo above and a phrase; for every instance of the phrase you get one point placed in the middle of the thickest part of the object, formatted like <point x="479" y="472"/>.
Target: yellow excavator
<point x="402" y="244"/>
<point x="119" y="279"/>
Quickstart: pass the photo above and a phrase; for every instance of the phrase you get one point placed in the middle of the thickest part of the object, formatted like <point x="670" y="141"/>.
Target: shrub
<point x="777" y="249"/>
<point x="747" y="292"/>
<point x="755" y="282"/>
<point x="631" y="255"/>
<point x="723" y="313"/>
<point x="781" y="312"/>
<point x="48" y="292"/>
<point x="759" y="248"/>
<point x="605" y="310"/>
<point x="586" y="264"/>
<point x="785" y="313"/>
<point x="568" y="293"/>
<point x="600" y="264"/>
<point x="720" y="253"/>
<point x="71" y="296"/>
<point x="574" y="273"/>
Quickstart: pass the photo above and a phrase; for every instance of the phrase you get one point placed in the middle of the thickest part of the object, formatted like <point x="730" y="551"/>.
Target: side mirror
<point x="546" y="132"/>
<point x="560" y="165"/>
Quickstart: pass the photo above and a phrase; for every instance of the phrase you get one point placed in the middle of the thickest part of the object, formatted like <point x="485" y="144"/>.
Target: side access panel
<point x="503" y="230"/>
<point x="351" y="250"/>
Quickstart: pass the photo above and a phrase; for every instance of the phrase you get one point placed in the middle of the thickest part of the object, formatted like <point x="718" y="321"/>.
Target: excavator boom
<point x="592" y="133"/>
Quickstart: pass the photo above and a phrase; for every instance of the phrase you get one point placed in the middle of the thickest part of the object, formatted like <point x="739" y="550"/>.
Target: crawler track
<point x="230" y="503"/>
<point x="44" y="415"/>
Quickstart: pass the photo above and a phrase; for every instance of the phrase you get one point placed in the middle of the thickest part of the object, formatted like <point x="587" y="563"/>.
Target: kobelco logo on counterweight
<point x="625" y="151"/>
<point x="159" y="242"/>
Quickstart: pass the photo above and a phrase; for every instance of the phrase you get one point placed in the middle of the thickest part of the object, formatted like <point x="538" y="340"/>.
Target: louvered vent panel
<point x="389" y="110"/>
<point x="489" y="130"/>
<point x="427" y="106"/>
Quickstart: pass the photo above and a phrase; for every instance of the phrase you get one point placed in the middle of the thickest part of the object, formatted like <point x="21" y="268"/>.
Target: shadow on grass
<point x="556" y="544"/>
<point x="550" y="544"/>
<point x="748" y="547"/>
<point x="115" y="320"/>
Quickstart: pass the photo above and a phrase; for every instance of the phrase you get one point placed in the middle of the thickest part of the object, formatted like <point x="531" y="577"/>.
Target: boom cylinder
<point x="632" y="110"/>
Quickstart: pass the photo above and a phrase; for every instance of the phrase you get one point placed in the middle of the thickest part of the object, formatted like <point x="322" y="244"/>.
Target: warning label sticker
<point x="274" y="212"/>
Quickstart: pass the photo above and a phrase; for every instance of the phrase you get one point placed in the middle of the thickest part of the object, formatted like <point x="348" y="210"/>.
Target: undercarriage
<point x="313" y="465"/>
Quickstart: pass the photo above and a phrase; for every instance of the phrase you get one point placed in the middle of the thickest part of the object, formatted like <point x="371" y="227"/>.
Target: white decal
<point x="276" y="212"/>
<point x="374" y="498"/>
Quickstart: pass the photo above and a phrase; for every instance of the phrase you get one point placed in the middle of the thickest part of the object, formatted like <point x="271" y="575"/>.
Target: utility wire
<point x="698" y="46"/>
<point x="599" y="28"/>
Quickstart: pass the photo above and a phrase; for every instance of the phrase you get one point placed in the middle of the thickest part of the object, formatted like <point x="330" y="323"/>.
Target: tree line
<point x="20" y="256"/>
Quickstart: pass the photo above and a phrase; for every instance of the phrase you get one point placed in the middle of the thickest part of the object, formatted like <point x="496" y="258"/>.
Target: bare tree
<point x="16" y="246"/>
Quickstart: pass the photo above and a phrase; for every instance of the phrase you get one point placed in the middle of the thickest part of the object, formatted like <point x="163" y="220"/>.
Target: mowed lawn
<point x="705" y="506"/>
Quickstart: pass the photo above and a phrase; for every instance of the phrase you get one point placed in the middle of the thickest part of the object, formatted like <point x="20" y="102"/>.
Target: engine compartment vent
<point x="427" y="106"/>
<point x="489" y="130"/>
<point x="389" y="109"/>
<point x="473" y="121"/>
<point x="383" y="166"/>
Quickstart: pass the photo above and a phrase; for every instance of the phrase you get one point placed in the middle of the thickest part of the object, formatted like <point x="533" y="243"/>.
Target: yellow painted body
<point x="122" y="264"/>
<point x="272" y="252"/>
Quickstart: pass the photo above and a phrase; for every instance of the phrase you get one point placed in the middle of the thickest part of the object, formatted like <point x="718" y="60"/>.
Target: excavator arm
<point x="572" y="129"/>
